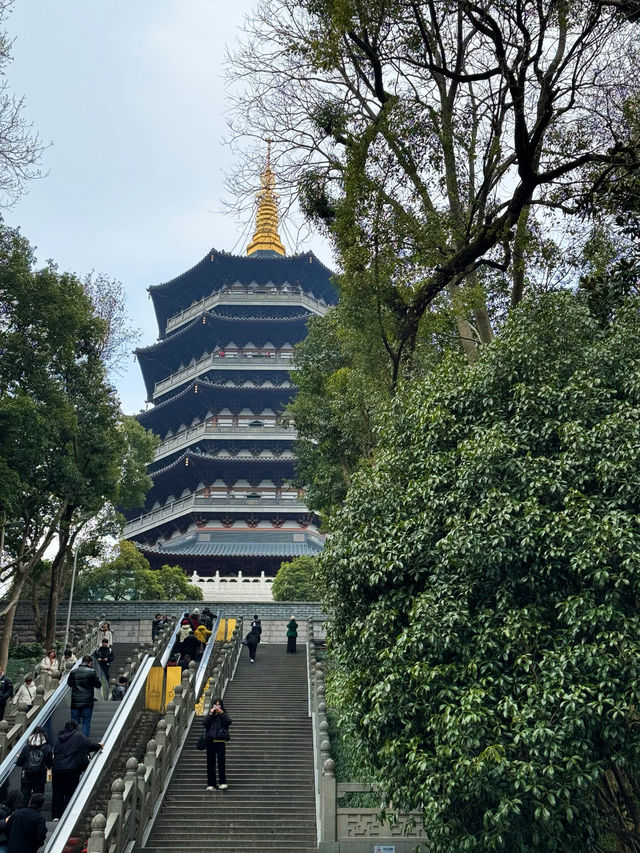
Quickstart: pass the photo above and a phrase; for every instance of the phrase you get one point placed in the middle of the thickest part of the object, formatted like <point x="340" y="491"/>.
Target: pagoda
<point x="218" y="379"/>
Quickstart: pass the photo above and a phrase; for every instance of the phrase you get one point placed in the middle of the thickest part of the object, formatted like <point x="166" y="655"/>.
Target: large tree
<point x="65" y="450"/>
<point x="484" y="585"/>
<point x="425" y="133"/>
<point x="127" y="577"/>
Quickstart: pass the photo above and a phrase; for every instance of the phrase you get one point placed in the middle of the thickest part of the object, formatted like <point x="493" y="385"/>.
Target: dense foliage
<point x="127" y="577"/>
<point x="66" y="451"/>
<point x="297" y="581"/>
<point x="484" y="585"/>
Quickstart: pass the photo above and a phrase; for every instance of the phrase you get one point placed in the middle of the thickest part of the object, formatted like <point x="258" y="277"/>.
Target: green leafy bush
<point x="484" y="585"/>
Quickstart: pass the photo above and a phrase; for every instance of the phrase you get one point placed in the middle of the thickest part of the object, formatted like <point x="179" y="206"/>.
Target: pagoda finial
<point x="266" y="237"/>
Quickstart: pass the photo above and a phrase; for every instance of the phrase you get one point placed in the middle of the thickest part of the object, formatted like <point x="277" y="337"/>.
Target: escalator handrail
<point x="166" y="654"/>
<point x="204" y="660"/>
<point x="111" y="739"/>
<point x="40" y="719"/>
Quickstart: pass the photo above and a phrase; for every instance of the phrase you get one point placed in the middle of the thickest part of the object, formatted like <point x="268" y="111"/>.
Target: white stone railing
<point x="214" y="361"/>
<point x="234" y="587"/>
<point x="240" y="432"/>
<point x="343" y="829"/>
<point x="149" y="520"/>
<point x="135" y="799"/>
<point x="246" y="297"/>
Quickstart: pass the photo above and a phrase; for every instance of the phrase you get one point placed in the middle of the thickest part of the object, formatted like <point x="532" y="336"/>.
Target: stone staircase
<point x="270" y="801"/>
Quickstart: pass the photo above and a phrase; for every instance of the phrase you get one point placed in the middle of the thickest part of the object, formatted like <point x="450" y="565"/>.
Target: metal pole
<point x="73" y="581"/>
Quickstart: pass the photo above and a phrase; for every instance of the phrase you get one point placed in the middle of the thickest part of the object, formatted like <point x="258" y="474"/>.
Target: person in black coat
<point x="6" y="691"/>
<point x="157" y="625"/>
<point x="70" y="758"/>
<point x="27" y="828"/>
<point x="83" y="681"/>
<point x="104" y="656"/>
<point x="252" y="640"/>
<point x="216" y="725"/>
<point x="191" y="646"/>
<point x="12" y="801"/>
<point x="35" y="759"/>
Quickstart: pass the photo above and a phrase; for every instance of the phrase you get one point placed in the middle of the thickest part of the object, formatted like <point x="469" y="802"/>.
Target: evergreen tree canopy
<point x="297" y="581"/>
<point x="484" y="584"/>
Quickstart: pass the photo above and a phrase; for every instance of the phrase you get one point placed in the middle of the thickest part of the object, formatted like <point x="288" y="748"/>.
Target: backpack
<point x="35" y="761"/>
<point x="117" y="694"/>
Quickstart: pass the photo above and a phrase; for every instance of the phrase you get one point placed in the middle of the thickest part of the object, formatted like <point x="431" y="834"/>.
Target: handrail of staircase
<point x="50" y="715"/>
<point x="18" y="719"/>
<point x="43" y="717"/>
<point x="133" y="702"/>
<point x="206" y="656"/>
<point x="136" y="799"/>
<point x="324" y="766"/>
<point x="170" y="642"/>
<point x="223" y="670"/>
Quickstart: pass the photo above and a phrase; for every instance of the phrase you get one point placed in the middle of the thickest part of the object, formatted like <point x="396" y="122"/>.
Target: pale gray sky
<point x="131" y="93"/>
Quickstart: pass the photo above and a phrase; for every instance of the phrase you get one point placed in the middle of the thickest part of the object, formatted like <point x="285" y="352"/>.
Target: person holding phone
<point x="216" y="725"/>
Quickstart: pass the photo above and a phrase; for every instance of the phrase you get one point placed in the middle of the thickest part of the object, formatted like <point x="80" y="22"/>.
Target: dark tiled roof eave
<point x="208" y="276"/>
<point x="236" y="549"/>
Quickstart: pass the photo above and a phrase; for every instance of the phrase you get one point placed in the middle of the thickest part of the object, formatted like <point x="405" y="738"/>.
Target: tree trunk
<point x="519" y="242"/>
<point x="37" y="615"/>
<point x="9" y="616"/>
<point x="57" y="576"/>
<point x="469" y="346"/>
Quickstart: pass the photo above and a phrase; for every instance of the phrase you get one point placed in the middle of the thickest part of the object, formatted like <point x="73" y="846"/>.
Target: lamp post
<point x="73" y="581"/>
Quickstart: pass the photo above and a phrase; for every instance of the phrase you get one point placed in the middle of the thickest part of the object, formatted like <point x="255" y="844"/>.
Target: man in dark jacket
<point x="26" y="827"/>
<point x="70" y="758"/>
<point x="105" y="657"/>
<point x="6" y="691"/>
<point x="191" y="646"/>
<point x="156" y="626"/>
<point x="83" y="681"/>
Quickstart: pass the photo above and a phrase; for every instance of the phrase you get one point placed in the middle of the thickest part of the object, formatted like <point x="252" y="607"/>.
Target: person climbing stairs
<point x="270" y="800"/>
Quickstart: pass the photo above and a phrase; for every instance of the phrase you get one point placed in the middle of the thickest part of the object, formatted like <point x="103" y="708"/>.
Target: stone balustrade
<point x="135" y="799"/>
<point x="356" y="829"/>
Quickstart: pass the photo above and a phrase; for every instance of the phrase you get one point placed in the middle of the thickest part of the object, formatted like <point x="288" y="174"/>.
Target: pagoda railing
<point x="255" y="296"/>
<point x="230" y="361"/>
<point x="193" y="503"/>
<point x="241" y="431"/>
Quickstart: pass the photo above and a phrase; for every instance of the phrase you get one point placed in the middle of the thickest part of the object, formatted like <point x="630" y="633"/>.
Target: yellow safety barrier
<point x="174" y="674"/>
<point x="155" y="680"/>
<point x="225" y="629"/>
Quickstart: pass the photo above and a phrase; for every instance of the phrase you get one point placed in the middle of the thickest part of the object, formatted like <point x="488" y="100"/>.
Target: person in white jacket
<point x="25" y="694"/>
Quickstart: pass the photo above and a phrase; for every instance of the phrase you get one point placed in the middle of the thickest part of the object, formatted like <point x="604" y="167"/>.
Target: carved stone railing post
<point x="39" y="698"/>
<point x="329" y="801"/>
<point x="131" y="779"/>
<point x="96" y="839"/>
<point x="116" y="806"/>
<point x="142" y="802"/>
<point x="161" y="740"/>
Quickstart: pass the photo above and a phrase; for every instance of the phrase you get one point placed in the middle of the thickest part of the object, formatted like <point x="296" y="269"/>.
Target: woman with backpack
<point x="35" y="759"/>
<point x="216" y="733"/>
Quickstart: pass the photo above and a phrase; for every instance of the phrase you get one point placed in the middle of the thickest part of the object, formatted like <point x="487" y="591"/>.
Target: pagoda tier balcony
<point x="218" y="270"/>
<point x="212" y="330"/>
<point x="185" y="474"/>
<point x="241" y="432"/>
<point x="220" y="363"/>
<point x="200" y="397"/>
<point x="248" y="295"/>
<point x="200" y="505"/>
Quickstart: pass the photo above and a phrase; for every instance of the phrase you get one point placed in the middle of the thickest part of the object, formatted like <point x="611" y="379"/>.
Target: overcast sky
<point x="131" y="95"/>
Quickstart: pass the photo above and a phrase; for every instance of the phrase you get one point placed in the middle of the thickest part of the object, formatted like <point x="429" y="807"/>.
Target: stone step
<point x="270" y="802"/>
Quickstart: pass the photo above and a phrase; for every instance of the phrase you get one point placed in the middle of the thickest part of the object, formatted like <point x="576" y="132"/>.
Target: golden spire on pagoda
<point x="266" y="237"/>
